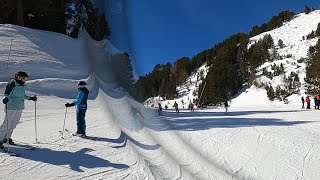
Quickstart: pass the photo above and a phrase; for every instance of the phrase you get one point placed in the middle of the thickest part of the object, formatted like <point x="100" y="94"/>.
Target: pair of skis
<point x="71" y="134"/>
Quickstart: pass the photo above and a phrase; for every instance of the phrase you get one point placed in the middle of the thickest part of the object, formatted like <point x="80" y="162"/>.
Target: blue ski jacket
<point x="81" y="101"/>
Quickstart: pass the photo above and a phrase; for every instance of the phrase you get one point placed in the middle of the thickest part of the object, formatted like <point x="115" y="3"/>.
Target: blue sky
<point x="156" y="32"/>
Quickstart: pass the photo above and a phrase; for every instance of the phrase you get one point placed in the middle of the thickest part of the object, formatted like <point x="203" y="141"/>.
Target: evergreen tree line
<point x="164" y="79"/>
<point x="275" y="22"/>
<point x="44" y="14"/>
<point x="62" y="16"/>
<point x="83" y="13"/>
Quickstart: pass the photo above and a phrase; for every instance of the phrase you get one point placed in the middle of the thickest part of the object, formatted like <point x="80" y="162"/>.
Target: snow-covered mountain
<point x="257" y="139"/>
<point x="291" y="55"/>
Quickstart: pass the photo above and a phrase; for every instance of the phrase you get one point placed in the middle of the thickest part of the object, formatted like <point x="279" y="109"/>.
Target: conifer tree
<point x="123" y="71"/>
<point x="83" y="13"/>
<point x="270" y="92"/>
<point x="75" y="17"/>
<point x="280" y="43"/>
<point x="307" y="9"/>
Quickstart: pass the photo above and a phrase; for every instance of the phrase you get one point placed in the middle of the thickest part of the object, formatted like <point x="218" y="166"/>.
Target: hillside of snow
<point x="256" y="139"/>
<point x="294" y="51"/>
<point x="291" y="56"/>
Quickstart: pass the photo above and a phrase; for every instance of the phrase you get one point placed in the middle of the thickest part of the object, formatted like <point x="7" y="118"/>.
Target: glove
<point x="69" y="104"/>
<point x="33" y="98"/>
<point x="5" y="100"/>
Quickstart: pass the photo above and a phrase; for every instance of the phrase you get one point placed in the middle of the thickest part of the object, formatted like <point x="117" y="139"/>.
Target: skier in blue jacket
<point x="14" y="97"/>
<point x="81" y="103"/>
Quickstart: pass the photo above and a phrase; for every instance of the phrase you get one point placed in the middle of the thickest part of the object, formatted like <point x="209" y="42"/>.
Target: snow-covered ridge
<point x="295" y="49"/>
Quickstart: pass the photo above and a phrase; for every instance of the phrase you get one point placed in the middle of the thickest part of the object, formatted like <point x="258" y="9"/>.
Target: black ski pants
<point x="81" y="122"/>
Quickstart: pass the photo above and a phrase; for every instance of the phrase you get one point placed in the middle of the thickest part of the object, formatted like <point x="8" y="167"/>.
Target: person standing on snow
<point x="308" y="102"/>
<point x="316" y="102"/>
<point x="81" y="103"/>
<point x="191" y="106"/>
<point x="175" y="105"/>
<point x="159" y="109"/>
<point x="14" y="97"/>
<point x="302" y="100"/>
<point x="226" y="105"/>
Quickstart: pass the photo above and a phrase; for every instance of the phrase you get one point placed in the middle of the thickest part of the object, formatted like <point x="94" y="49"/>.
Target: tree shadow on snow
<point x="196" y="121"/>
<point x="74" y="159"/>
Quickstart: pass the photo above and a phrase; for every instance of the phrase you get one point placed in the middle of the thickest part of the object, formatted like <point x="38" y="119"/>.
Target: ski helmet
<point x="82" y="83"/>
<point x="21" y="74"/>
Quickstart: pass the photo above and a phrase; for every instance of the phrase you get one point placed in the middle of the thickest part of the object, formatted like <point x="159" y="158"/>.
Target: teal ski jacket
<point x="16" y="95"/>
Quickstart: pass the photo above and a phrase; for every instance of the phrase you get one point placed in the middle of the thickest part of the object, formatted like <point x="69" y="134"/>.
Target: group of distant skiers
<point x="316" y="100"/>
<point x="190" y="107"/>
<point x="176" y="107"/>
<point x="14" y="97"/>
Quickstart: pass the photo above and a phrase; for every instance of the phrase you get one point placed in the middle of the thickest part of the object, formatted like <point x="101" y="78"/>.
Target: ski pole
<point x="64" y="122"/>
<point x="9" y="54"/>
<point x="35" y="120"/>
<point x="7" y="134"/>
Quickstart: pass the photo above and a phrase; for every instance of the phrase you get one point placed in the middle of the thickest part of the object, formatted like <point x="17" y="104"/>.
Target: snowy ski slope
<point x="257" y="139"/>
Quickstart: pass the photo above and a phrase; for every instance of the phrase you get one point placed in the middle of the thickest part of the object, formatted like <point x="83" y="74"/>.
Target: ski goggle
<point x="24" y="78"/>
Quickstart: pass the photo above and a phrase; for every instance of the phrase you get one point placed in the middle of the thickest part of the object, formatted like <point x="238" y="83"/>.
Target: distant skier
<point x="308" y="102"/>
<point x="226" y="106"/>
<point x="302" y="100"/>
<point x="166" y="107"/>
<point x="191" y="106"/>
<point x="316" y="102"/>
<point x="159" y="109"/>
<point x="14" y="104"/>
<point x="81" y="103"/>
<point x="175" y="105"/>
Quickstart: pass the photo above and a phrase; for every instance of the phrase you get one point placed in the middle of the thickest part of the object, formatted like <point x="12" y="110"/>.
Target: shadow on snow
<point x="193" y="121"/>
<point x="74" y="159"/>
<point x="123" y="139"/>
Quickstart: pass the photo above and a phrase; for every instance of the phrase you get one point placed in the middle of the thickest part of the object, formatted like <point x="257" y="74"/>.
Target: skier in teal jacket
<point x="14" y="97"/>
